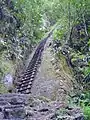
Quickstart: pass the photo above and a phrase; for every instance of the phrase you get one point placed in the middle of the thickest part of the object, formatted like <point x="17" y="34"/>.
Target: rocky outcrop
<point x="12" y="106"/>
<point x="26" y="107"/>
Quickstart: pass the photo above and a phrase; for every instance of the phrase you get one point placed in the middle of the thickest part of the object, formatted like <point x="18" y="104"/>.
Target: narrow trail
<point x="24" y="83"/>
<point x="40" y="79"/>
<point x="50" y="82"/>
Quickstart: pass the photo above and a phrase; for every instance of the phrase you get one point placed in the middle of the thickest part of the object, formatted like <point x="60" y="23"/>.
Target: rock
<point x="70" y="113"/>
<point x="13" y="107"/>
<point x="1" y="116"/>
<point x="73" y="111"/>
<point x="79" y="117"/>
<point x="56" y="44"/>
<point x="8" y="80"/>
<point x="16" y="109"/>
<point x="70" y="118"/>
<point x="58" y="71"/>
<point x="29" y="113"/>
<point x="10" y="113"/>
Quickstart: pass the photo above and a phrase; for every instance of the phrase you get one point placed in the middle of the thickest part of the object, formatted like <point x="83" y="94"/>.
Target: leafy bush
<point x="83" y="101"/>
<point x="87" y="70"/>
<point x="86" y="110"/>
<point x="58" y="34"/>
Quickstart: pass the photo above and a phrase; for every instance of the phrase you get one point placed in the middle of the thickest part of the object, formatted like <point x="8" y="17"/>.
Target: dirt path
<point x="50" y="83"/>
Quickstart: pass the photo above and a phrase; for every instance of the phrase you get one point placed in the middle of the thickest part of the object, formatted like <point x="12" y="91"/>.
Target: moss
<point x="3" y="88"/>
<point x="64" y="64"/>
<point x="6" y="66"/>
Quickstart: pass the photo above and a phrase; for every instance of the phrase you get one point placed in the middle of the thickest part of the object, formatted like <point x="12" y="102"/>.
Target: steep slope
<point x="51" y="82"/>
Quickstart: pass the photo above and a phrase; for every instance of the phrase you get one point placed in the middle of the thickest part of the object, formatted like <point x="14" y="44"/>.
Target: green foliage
<point x="78" y="55"/>
<point x="86" y="70"/>
<point x="86" y="110"/>
<point x="24" y="22"/>
<point x="83" y="100"/>
<point x="89" y="42"/>
<point x="20" y="30"/>
<point x="85" y="104"/>
<point x="58" y="34"/>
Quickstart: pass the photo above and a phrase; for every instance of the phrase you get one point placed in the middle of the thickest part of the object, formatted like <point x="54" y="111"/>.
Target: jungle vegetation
<point x="23" y="23"/>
